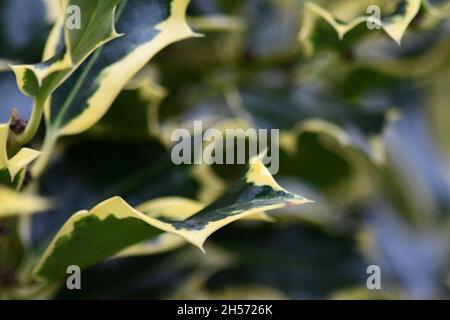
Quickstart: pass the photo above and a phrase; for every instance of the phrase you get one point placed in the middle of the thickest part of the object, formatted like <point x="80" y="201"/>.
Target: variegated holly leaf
<point x="68" y="46"/>
<point x="82" y="27"/>
<point x="344" y="161"/>
<point x="100" y="169"/>
<point x="116" y="225"/>
<point x="9" y="168"/>
<point x="138" y="104"/>
<point x="147" y="26"/>
<point x="171" y="208"/>
<point x="344" y="16"/>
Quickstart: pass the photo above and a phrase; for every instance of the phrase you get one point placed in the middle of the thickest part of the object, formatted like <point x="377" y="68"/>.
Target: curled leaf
<point x="10" y="167"/>
<point x="117" y="225"/>
<point x="394" y="25"/>
<point x="171" y="208"/>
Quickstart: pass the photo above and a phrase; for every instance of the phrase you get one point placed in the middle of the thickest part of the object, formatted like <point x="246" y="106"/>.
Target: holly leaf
<point x="148" y="26"/>
<point x="394" y="24"/>
<point x="116" y="225"/>
<point x="9" y="168"/>
<point x="172" y="208"/>
<point x="96" y="27"/>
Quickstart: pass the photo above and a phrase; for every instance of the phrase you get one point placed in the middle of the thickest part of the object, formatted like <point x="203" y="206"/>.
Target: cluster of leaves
<point x="364" y="133"/>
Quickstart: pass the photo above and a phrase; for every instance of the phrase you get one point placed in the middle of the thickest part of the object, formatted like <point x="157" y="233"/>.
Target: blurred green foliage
<point x="365" y="127"/>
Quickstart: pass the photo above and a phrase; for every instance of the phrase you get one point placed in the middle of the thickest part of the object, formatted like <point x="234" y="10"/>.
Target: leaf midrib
<point x="76" y="88"/>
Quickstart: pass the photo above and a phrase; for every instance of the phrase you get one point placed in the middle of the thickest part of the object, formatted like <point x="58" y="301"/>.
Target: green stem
<point x="32" y="126"/>
<point x="52" y="135"/>
<point x="47" y="149"/>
